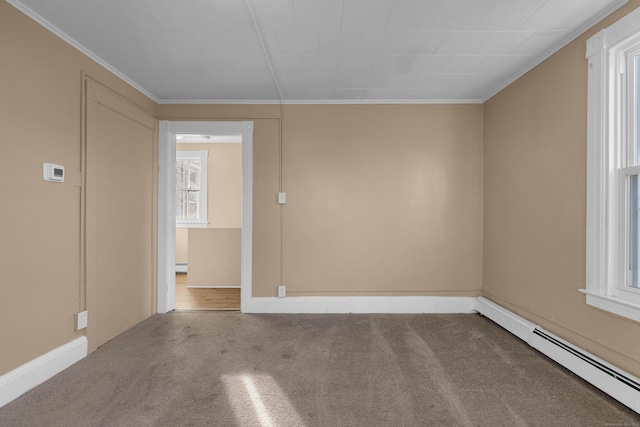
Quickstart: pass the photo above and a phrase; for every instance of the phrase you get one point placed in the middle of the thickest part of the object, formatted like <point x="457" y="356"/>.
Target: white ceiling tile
<point x="403" y="93"/>
<point x="320" y="93"/>
<point x="240" y="79"/>
<point x="318" y="15"/>
<point x="463" y="81"/>
<point x="369" y="80"/>
<point x="503" y="63"/>
<point x="413" y="14"/>
<point x="298" y="42"/>
<point x="216" y="43"/>
<point x="286" y="63"/>
<point x="247" y="42"/>
<point x="303" y="80"/>
<point x="471" y="93"/>
<point x="507" y="15"/>
<point x="462" y="42"/>
<point x="344" y="93"/>
<point x="366" y="14"/>
<point x="399" y="80"/>
<point x="263" y="78"/>
<point x="377" y="94"/>
<point x="176" y="15"/>
<point x="380" y="42"/>
<point x="421" y="42"/>
<point x="427" y="63"/>
<point x="561" y="14"/>
<point x="247" y="62"/>
<point x="539" y="42"/>
<point x="224" y="15"/>
<point x="431" y="81"/>
<point x="355" y="63"/>
<point x="503" y="42"/>
<point x="461" y="15"/>
<point x="336" y="80"/>
<point x="293" y="94"/>
<point x="274" y="14"/>
<point x="338" y="42"/>
<point x="462" y="64"/>
<point x="436" y="94"/>
<point x="319" y="63"/>
<point x="137" y="15"/>
<point x="391" y="64"/>
<point x="220" y="67"/>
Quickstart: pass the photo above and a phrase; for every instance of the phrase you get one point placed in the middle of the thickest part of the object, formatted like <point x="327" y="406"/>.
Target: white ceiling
<point x="318" y="50"/>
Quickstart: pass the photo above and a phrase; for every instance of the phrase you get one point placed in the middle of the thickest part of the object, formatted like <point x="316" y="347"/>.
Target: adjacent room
<point x="304" y="212"/>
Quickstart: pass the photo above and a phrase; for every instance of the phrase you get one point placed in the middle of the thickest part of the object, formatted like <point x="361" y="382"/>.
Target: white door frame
<point x="166" y="206"/>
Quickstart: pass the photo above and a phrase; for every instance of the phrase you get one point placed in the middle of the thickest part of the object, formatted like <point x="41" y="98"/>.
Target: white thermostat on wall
<point x="54" y="173"/>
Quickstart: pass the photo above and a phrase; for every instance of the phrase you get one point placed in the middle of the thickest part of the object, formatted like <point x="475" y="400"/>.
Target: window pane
<point x="180" y="181"/>
<point x="194" y="174"/>
<point x="181" y="204"/>
<point x="194" y="203"/>
<point x="634" y="229"/>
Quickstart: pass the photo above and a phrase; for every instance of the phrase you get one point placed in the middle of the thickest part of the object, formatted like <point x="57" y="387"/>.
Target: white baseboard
<point x="22" y="379"/>
<point x="356" y="304"/>
<point x="617" y="383"/>
<point x="513" y="323"/>
<point x="181" y="267"/>
<point x="213" y="287"/>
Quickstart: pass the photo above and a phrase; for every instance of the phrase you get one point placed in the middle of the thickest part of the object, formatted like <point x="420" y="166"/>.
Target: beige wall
<point x="534" y="205"/>
<point x="215" y="257"/>
<point x="182" y="245"/>
<point x="380" y="199"/>
<point x="40" y="121"/>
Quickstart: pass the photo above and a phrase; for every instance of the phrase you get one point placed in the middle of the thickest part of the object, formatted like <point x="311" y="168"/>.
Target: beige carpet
<point x="231" y="369"/>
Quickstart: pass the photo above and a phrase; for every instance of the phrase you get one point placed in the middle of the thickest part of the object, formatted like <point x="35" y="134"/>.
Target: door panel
<point x="120" y="152"/>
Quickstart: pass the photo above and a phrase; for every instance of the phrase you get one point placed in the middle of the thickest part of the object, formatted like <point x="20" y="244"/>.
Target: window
<point x="191" y="188"/>
<point x="613" y="169"/>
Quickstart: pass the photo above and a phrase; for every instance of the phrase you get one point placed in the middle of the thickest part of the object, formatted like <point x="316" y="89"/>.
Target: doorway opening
<point x="204" y="215"/>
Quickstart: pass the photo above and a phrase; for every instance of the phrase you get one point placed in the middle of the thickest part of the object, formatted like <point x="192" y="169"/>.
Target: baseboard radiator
<point x="181" y="267"/>
<point x="617" y="383"/>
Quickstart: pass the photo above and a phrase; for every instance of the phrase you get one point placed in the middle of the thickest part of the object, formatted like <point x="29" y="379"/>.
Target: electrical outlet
<point x="282" y="291"/>
<point x="81" y="320"/>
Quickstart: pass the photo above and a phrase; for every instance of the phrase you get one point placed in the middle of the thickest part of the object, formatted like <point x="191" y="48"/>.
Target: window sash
<point x="191" y="188"/>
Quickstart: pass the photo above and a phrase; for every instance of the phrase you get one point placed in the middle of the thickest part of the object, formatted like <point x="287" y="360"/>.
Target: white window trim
<point x="203" y="156"/>
<point x="606" y="240"/>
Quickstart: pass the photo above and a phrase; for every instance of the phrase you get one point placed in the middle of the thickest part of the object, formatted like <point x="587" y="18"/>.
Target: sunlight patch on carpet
<point x="259" y="400"/>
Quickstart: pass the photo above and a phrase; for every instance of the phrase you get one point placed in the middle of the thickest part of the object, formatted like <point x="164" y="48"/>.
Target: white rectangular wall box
<point x="53" y="173"/>
<point x="282" y="198"/>
<point x="82" y="319"/>
<point x="282" y="291"/>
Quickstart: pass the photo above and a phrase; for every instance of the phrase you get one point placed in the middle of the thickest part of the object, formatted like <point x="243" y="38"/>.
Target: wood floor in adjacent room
<point x="205" y="299"/>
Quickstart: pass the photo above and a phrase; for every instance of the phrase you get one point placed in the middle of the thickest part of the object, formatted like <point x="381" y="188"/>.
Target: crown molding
<point x="320" y="101"/>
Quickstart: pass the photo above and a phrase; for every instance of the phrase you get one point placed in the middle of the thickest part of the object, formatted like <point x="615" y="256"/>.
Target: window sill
<point x="613" y="305"/>
<point x="198" y="224"/>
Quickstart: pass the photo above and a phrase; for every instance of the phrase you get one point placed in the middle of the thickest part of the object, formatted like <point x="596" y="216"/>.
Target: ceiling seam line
<point x="265" y="51"/>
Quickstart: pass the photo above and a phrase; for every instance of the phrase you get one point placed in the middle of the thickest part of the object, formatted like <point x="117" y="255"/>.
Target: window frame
<point x="611" y="141"/>
<point x="203" y="156"/>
